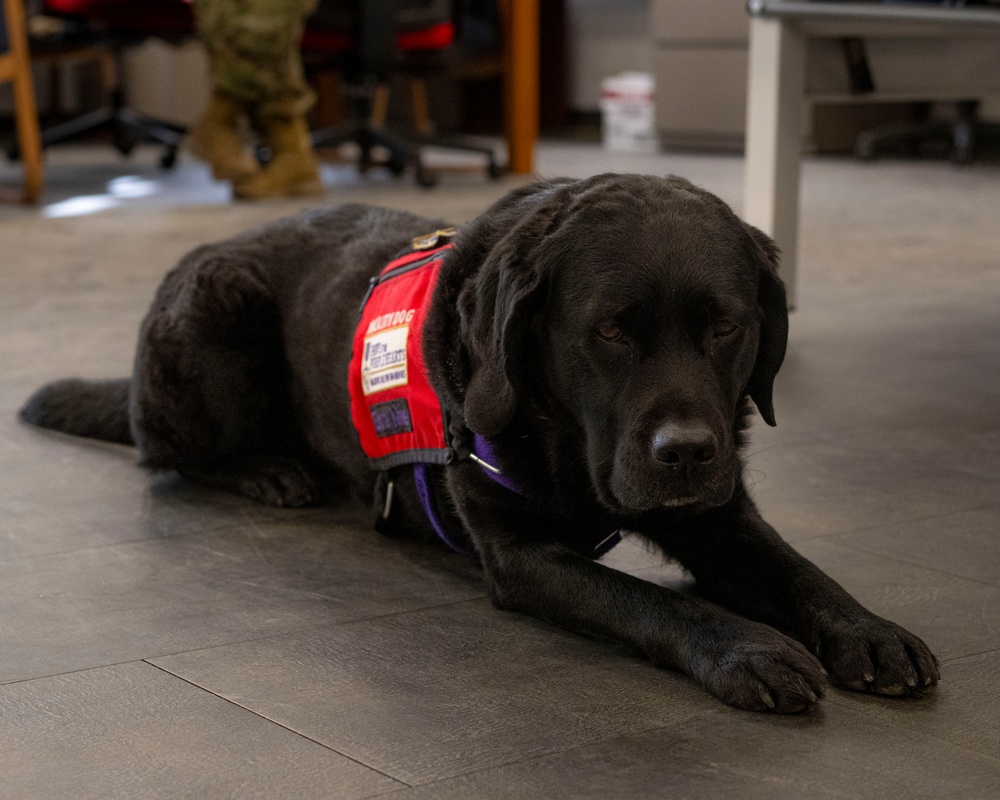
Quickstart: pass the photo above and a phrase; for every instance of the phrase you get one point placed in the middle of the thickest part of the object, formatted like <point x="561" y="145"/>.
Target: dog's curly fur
<point x="607" y="335"/>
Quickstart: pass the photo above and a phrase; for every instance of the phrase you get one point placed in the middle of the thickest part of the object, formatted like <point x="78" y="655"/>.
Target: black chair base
<point x="127" y="127"/>
<point x="402" y="152"/>
<point x="493" y="169"/>
<point x="962" y="136"/>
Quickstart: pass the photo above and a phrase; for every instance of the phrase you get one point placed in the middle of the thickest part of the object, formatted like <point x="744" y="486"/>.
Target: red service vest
<point x="396" y="412"/>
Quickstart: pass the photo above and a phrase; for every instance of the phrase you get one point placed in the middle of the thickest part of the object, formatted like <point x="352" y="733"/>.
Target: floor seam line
<point x="936" y="737"/>
<point x="909" y="563"/>
<point x="318" y="626"/>
<point x="581" y="746"/>
<point x="953" y="659"/>
<point x="829" y="537"/>
<point x="404" y="784"/>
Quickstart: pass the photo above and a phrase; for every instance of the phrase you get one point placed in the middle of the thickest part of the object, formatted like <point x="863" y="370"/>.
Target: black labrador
<point x="602" y="338"/>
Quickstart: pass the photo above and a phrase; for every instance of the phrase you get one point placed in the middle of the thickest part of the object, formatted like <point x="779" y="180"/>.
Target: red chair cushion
<point x="174" y="16"/>
<point x="155" y="17"/>
<point x="325" y="41"/>
<point x="436" y="37"/>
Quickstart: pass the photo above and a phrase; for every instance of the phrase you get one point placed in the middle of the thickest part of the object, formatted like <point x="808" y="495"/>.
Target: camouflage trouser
<point x="253" y="48"/>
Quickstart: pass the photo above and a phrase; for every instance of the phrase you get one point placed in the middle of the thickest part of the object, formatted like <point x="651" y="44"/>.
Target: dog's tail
<point x="95" y="409"/>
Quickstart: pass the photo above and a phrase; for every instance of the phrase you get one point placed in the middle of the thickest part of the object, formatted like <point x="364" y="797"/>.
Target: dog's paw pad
<point x="872" y="654"/>
<point x="768" y="672"/>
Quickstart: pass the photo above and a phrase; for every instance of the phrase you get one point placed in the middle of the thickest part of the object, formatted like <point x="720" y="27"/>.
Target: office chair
<point x="116" y="25"/>
<point x="370" y="40"/>
<point x="960" y="135"/>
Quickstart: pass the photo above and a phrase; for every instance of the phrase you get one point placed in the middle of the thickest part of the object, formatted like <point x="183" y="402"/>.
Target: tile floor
<point x="162" y="640"/>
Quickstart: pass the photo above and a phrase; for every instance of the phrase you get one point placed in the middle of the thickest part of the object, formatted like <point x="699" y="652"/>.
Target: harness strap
<point x="604" y="535"/>
<point x="425" y="491"/>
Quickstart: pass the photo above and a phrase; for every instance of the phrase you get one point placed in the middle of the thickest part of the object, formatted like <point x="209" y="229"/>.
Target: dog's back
<point x="238" y="333"/>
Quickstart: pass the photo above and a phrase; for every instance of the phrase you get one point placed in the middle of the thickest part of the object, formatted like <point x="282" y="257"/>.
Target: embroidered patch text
<point x="383" y="364"/>
<point x="392" y="417"/>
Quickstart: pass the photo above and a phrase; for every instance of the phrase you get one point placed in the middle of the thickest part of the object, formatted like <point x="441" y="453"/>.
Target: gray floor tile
<point x="637" y="558"/>
<point x="67" y="495"/>
<point x="955" y="616"/>
<point x="831" y="486"/>
<point x="122" y="602"/>
<point x="857" y="363"/>
<point x="134" y="731"/>
<point x="838" y="753"/>
<point x="966" y="543"/>
<point x="964" y="711"/>
<point x="634" y="555"/>
<point x="435" y="693"/>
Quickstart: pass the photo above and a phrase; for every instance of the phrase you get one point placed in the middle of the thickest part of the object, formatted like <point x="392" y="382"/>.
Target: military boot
<point x="216" y="138"/>
<point x="292" y="171"/>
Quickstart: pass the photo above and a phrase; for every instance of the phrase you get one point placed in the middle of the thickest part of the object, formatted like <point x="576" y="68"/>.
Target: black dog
<point x="594" y="346"/>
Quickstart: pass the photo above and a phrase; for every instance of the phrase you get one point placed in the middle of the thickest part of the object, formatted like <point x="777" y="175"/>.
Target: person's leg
<point x="256" y="71"/>
<point x="217" y="137"/>
<point x="281" y="116"/>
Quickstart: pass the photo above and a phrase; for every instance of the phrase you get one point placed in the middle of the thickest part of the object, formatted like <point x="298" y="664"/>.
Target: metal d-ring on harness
<point x="484" y="464"/>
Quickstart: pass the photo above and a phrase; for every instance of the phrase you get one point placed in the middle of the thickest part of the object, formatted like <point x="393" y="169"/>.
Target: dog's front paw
<point x="871" y="654"/>
<point x="754" y="667"/>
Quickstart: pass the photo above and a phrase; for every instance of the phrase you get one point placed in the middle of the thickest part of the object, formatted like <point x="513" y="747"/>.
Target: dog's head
<point x="636" y="312"/>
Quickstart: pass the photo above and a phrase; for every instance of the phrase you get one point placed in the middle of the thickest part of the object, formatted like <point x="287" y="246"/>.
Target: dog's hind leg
<point x="210" y="389"/>
<point x="276" y="480"/>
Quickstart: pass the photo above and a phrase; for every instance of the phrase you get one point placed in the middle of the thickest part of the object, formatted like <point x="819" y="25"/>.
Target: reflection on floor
<point x="160" y="639"/>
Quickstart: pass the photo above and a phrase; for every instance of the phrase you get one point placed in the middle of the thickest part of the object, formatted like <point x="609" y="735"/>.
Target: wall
<point x="605" y="37"/>
<point x="168" y="81"/>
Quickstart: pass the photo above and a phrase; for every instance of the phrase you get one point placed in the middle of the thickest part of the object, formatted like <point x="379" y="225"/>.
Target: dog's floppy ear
<point x="773" y="304"/>
<point x="495" y="316"/>
<point x="492" y="285"/>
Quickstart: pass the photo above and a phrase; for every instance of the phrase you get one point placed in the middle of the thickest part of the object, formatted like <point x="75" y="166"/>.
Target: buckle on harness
<point x="429" y="240"/>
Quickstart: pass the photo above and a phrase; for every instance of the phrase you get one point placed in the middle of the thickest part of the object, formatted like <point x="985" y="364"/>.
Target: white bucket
<point x="628" y="123"/>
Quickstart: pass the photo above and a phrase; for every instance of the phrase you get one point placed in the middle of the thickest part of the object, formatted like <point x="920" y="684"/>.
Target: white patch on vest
<point x="383" y="365"/>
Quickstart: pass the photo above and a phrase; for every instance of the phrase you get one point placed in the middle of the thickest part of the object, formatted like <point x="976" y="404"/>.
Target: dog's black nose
<point x="683" y="445"/>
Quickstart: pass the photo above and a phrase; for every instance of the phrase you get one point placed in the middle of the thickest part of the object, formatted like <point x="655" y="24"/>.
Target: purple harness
<point x="603" y="536"/>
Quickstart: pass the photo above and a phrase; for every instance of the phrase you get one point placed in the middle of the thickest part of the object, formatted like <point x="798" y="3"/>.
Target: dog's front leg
<point x="744" y="663"/>
<point x="741" y="562"/>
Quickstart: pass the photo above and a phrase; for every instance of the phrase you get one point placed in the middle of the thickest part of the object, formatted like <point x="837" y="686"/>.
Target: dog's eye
<point x="723" y="327"/>
<point x="610" y="332"/>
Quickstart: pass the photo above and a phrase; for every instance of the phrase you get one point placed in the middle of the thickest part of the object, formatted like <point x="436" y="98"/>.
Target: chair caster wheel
<point x="425" y="177"/>
<point x="123" y="143"/>
<point x="397" y="166"/>
<point x="169" y="158"/>
<point x="864" y="152"/>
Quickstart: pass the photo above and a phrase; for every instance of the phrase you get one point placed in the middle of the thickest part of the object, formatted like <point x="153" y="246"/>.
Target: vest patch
<point x="393" y="407"/>
<point x="383" y="364"/>
<point x="392" y="417"/>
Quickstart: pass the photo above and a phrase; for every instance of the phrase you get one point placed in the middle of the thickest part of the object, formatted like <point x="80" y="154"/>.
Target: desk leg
<point x="776" y="89"/>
